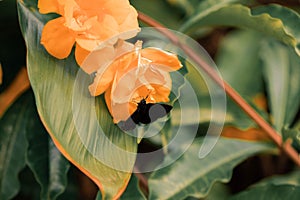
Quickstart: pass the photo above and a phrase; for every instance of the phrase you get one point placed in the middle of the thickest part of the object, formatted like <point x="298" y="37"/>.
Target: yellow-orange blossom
<point x="86" y="23"/>
<point x="135" y="75"/>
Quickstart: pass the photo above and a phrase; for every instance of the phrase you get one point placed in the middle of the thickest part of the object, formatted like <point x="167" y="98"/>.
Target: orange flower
<point x="86" y="23"/>
<point x="133" y="76"/>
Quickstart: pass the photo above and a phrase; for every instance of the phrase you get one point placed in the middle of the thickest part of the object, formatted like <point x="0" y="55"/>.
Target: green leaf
<point x="191" y="176"/>
<point x="292" y="178"/>
<point x="208" y="6"/>
<point x="239" y="65"/>
<point x="270" y="192"/>
<point x="289" y="18"/>
<point x="80" y="126"/>
<point x="238" y="62"/>
<point x="278" y="187"/>
<point x="132" y="192"/>
<point x="13" y="145"/>
<point x="46" y="162"/>
<point x="188" y="6"/>
<point x="241" y="68"/>
<point x="160" y="11"/>
<point x="292" y="133"/>
<point x="219" y="191"/>
<point x="282" y="75"/>
<point x="243" y="17"/>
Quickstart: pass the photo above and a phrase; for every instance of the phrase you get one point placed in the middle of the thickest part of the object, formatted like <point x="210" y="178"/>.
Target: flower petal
<point x="103" y="79"/>
<point x="107" y="73"/>
<point x="160" y="93"/>
<point x="120" y="112"/>
<point x="108" y="27"/>
<point x="92" y="61"/>
<point x="124" y="86"/>
<point x="98" y="33"/>
<point x="57" y="39"/>
<point x="130" y="22"/>
<point x="46" y="6"/>
<point x="69" y="6"/>
<point x="101" y="56"/>
<point x="162" y="59"/>
<point x="80" y="55"/>
<point x="120" y="9"/>
<point x="153" y="75"/>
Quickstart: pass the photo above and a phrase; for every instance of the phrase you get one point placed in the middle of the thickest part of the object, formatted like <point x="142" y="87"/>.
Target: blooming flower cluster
<point x="133" y="76"/>
<point x="126" y="73"/>
<point x="86" y="23"/>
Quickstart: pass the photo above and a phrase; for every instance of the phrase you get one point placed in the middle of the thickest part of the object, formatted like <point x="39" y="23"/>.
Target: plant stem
<point x="142" y="179"/>
<point x="287" y="148"/>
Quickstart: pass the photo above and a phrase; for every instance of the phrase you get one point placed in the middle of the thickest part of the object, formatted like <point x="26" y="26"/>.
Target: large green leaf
<point x="292" y="178"/>
<point x="46" y="162"/>
<point x="132" y="192"/>
<point x="282" y="74"/>
<point x="277" y="187"/>
<point x="13" y="145"/>
<point x="273" y="192"/>
<point x="80" y="126"/>
<point x="191" y="176"/>
<point x="244" y="17"/>
<point x="239" y="65"/>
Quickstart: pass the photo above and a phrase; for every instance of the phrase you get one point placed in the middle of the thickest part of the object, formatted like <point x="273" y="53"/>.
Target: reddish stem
<point x="287" y="148"/>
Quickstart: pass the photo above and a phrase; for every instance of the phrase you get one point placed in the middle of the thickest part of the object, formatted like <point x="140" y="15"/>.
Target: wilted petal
<point x="92" y="61"/>
<point x="160" y="93"/>
<point x="162" y="59"/>
<point x="120" y="112"/>
<point x="123" y="47"/>
<point x="124" y="86"/>
<point x="101" y="56"/>
<point x="103" y="80"/>
<point x="57" y="39"/>
<point x="154" y="75"/>
<point x="106" y="74"/>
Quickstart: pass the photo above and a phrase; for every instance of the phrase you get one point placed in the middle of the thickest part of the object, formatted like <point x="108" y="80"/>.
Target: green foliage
<point x="193" y="176"/>
<point x="281" y="61"/>
<point x="53" y="82"/>
<point x="13" y="146"/>
<point x="132" y="191"/>
<point x="277" y="187"/>
<point x="251" y="19"/>
<point x="239" y="64"/>
<point x="46" y="162"/>
<point x="257" y="54"/>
